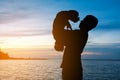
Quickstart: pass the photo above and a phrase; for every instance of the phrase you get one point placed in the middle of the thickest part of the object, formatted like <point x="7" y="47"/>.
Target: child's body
<point x="60" y="22"/>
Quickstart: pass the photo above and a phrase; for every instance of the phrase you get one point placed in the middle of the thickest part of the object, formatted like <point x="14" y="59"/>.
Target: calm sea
<point x="50" y="69"/>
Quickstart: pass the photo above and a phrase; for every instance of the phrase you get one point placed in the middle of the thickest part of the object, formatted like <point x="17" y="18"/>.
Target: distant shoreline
<point x="25" y="59"/>
<point x="103" y="59"/>
<point x="5" y="56"/>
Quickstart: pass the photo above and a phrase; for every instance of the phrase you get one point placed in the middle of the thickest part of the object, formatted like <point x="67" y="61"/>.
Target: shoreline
<point x="25" y="59"/>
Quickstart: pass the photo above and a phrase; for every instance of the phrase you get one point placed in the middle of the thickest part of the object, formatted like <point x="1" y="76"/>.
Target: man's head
<point x="89" y="22"/>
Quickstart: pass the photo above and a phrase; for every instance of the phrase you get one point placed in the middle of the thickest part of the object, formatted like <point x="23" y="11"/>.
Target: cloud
<point x="15" y="10"/>
<point x="8" y="18"/>
<point x="1" y="42"/>
<point x="105" y="51"/>
<point x="26" y="33"/>
<point x="103" y="37"/>
<point x="90" y="53"/>
<point x="23" y="18"/>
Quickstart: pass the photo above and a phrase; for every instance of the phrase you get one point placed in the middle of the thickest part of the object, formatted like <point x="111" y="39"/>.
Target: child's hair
<point x="73" y="14"/>
<point x="89" y="22"/>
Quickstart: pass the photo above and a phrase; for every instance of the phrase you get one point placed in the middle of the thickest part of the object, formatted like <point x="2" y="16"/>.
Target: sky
<point x="26" y="27"/>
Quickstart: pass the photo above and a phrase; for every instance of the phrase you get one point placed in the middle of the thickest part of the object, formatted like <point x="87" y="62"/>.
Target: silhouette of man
<point x="75" y="42"/>
<point x="60" y="22"/>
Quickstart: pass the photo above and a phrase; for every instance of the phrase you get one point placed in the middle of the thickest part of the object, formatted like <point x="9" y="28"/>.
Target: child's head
<point x="89" y="22"/>
<point x="73" y="15"/>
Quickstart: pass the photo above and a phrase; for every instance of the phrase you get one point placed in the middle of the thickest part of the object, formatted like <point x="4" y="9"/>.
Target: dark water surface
<point x="50" y="69"/>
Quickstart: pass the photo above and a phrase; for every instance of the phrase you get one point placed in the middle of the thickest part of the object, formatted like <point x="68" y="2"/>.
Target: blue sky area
<point x="31" y="18"/>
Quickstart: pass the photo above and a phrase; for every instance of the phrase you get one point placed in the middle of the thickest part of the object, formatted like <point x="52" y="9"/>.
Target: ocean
<point x="50" y="69"/>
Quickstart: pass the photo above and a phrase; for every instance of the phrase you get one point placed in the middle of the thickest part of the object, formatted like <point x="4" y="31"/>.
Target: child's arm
<point x="68" y="26"/>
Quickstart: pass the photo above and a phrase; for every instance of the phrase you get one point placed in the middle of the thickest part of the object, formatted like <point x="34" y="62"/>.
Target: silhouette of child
<point x="60" y="23"/>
